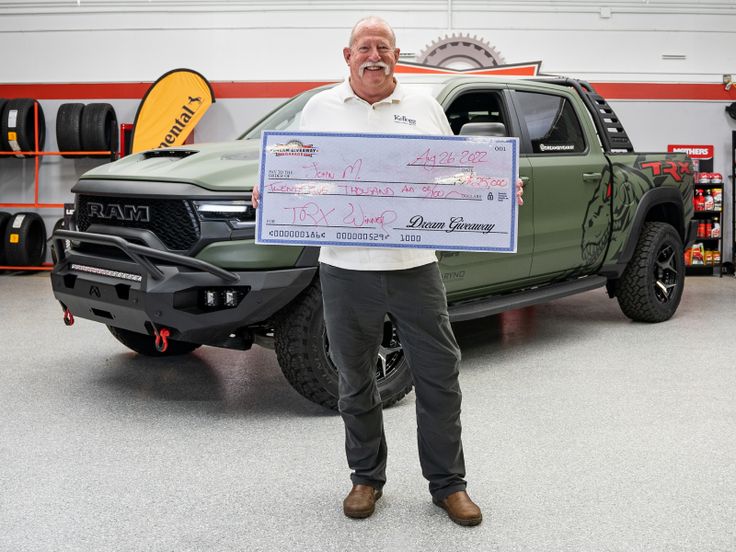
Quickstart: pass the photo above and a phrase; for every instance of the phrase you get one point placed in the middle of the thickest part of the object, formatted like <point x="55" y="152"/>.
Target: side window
<point x="475" y="107"/>
<point x="552" y="123"/>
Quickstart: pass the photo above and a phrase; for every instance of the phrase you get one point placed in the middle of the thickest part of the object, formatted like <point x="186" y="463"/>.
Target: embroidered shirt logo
<point x="404" y="120"/>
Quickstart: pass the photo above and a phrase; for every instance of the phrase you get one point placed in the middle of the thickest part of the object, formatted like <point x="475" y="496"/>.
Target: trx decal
<point x="675" y="169"/>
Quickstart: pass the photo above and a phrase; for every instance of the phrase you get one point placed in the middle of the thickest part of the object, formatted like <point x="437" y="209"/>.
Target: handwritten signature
<point x="359" y="218"/>
<point x="309" y="214"/>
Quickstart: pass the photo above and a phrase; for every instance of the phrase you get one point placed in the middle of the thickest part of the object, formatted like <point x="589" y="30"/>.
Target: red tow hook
<point x="68" y="317"/>
<point x="162" y="339"/>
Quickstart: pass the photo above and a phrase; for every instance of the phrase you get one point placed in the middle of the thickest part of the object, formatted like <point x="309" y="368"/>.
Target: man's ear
<point x="397" y="51"/>
<point x="346" y="54"/>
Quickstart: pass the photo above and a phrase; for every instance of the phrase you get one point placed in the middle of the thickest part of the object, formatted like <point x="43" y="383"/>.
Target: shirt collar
<point x="345" y="92"/>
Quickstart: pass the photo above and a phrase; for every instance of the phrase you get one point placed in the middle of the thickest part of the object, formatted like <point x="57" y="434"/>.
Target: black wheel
<point x="651" y="287"/>
<point x="145" y="344"/>
<point x="17" y="126"/>
<point x="302" y="350"/>
<point x="25" y="240"/>
<point x="99" y="128"/>
<point x="69" y="128"/>
<point x="4" y="218"/>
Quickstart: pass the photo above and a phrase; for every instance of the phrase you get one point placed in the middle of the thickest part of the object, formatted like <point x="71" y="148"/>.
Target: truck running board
<point x="486" y="307"/>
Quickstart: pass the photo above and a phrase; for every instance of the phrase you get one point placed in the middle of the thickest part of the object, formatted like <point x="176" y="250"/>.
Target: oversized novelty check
<point x="379" y="190"/>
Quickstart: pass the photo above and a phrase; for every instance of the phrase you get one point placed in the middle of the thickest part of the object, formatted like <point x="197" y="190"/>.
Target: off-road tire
<point x="651" y="287"/>
<point x="145" y="344"/>
<point x="303" y="354"/>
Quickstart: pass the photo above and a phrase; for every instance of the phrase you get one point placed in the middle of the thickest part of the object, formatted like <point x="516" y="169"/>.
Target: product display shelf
<point x="37" y="154"/>
<point x="705" y="256"/>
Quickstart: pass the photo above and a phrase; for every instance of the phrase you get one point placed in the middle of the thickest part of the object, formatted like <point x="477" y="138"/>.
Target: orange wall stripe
<point x="136" y="90"/>
<point x="284" y="89"/>
<point x="663" y="91"/>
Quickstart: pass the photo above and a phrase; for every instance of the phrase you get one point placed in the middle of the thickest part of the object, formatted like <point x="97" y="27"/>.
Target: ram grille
<point x="173" y="221"/>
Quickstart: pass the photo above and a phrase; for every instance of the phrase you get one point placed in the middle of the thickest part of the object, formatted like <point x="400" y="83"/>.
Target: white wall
<point x="116" y="41"/>
<point x="300" y="40"/>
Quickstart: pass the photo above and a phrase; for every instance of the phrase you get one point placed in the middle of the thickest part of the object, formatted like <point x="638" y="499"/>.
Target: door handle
<point x="595" y="177"/>
<point x="524" y="179"/>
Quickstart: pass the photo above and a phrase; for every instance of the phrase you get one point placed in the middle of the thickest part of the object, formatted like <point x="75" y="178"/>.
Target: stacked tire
<point x="18" y="126"/>
<point x="23" y="239"/>
<point x="91" y="127"/>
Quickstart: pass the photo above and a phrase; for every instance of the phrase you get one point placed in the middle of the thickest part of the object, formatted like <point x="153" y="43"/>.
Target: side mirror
<point x="483" y="129"/>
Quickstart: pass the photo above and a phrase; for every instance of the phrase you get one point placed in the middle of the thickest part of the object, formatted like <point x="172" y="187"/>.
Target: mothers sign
<point x="388" y="190"/>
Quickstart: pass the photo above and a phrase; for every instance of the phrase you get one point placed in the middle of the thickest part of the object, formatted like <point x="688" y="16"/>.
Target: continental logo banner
<point x="171" y="109"/>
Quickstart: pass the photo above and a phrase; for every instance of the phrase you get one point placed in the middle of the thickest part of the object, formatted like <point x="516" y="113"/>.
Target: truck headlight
<point x="239" y="213"/>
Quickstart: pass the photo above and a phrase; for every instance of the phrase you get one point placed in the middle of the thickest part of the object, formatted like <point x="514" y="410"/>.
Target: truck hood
<point x="223" y="166"/>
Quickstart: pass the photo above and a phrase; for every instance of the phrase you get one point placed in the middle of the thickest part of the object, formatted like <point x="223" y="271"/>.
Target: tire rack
<point x="37" y="160"/>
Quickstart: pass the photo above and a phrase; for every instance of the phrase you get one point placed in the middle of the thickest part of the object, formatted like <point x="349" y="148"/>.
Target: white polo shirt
<point x="340" y="110"/>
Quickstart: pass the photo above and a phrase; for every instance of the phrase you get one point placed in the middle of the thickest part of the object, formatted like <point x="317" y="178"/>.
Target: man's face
<point x="372" y="58"/>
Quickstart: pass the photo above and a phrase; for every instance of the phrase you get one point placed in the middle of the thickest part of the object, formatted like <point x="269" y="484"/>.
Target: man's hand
<point x="254" y="197"/>
<point x="519" y="191"/>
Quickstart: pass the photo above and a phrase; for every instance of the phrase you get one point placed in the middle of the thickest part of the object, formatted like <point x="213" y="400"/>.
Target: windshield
<point x="288" y="114"/>
<point x="284" y="117"/>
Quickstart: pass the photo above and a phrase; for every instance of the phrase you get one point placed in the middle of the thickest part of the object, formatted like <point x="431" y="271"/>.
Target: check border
<point x="512" y="141"/>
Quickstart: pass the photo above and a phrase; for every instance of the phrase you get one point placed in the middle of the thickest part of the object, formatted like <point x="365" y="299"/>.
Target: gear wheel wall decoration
<point x="460" y="52"/>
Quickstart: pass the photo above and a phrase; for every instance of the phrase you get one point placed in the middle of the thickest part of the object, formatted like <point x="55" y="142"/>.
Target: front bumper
<point x="147" y="289"/>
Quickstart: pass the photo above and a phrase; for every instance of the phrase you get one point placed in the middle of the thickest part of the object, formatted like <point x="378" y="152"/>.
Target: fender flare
<point x="650" y="199"/>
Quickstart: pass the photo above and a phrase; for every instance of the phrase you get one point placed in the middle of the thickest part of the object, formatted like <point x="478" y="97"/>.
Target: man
<point x="360" y="286"/>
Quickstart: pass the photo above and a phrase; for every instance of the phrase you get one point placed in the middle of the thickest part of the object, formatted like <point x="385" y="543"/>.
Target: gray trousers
<point x="355" y="305"/>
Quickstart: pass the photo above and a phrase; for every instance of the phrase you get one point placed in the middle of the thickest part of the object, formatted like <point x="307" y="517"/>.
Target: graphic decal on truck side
<point x="628" y="185"/>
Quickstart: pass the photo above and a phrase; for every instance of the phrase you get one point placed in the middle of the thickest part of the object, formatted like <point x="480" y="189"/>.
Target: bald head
<point x="372" y="20"/>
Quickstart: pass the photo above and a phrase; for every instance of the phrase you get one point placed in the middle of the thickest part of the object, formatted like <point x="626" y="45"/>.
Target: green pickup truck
<point x="161" y="245"/>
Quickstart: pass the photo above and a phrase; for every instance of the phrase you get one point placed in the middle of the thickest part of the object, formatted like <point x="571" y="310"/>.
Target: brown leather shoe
<point x="361" y="501"/>
<point x="460" y="508"/>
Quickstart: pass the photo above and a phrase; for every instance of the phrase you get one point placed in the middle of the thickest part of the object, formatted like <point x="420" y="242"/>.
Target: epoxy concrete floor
<point x="583" y="431"/>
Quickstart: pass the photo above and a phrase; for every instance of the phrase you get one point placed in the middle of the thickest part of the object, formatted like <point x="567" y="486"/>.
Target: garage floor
<point x="583" y="431"/>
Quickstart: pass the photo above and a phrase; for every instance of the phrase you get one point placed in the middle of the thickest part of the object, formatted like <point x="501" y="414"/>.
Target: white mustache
<point x="364" y="66"/>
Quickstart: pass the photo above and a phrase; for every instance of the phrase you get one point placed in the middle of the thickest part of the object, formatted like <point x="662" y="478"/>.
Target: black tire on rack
<point x="17" y="126"/>
<point x="4" y="218"/>
<point x="25" y="240"/>
<point x="69" y="127"/>
<point x="99" y="128"/>
<point x="3" y="101"/>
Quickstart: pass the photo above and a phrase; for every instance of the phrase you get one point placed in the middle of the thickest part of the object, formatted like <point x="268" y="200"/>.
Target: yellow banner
<point x="171" y="109"/>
